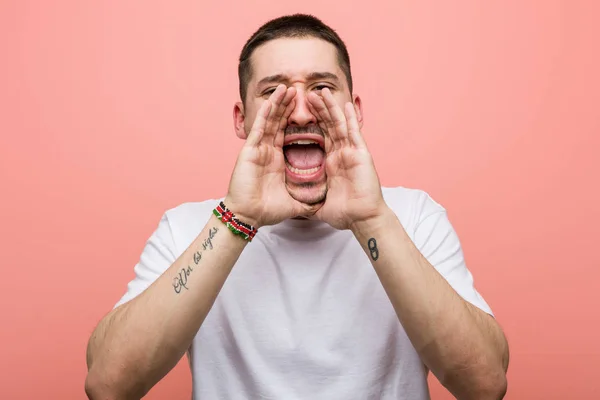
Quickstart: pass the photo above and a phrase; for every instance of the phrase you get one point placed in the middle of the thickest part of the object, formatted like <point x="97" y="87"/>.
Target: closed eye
<point x="318" y="88"/>
<point x="321" y="87"/>
<point x="269" y="91"/>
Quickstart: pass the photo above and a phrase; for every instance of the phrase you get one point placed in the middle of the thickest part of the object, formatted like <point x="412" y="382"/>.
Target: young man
<point x="347" y="291"/>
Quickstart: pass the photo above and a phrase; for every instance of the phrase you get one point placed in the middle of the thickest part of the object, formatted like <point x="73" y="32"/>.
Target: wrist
<point x="236" y="223"/>
<point x="241" y="212"/>
<point x="374" y="223"/>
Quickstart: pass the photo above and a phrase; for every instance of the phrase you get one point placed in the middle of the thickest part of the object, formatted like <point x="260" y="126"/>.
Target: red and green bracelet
<point x="236" y="226"/>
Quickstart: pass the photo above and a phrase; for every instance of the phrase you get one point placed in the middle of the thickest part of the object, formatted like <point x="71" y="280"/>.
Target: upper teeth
<point x="304" y="142"/>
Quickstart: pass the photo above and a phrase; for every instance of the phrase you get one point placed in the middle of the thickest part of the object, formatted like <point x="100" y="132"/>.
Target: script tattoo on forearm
<point x="180" y="280"/>
<point x="372" y="244"/>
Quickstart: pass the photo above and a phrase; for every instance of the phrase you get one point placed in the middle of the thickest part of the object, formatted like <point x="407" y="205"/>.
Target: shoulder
<point x="411" y="205"/>
<point x="187" y="220"/>
<point x="193" y="209"/>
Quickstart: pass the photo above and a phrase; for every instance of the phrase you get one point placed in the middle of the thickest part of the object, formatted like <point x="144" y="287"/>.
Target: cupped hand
<point x="353" y="188"/>
<point x="257" y="191"/>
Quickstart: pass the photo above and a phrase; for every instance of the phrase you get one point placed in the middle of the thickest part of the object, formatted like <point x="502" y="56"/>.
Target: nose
<point x="301" y="115"/>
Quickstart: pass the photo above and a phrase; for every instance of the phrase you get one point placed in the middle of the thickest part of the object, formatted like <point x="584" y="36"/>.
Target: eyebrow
<point x="313" y="76"/>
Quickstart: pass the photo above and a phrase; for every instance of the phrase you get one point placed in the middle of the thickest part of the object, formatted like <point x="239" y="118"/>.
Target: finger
<point x="277" y="98"/>
<point x="324" y="114"/>
<point x="260" y="122"/>
<point x="324" y="119"/>
<point x="318" y="105"/>
<point x="279" y="136"/>
<point x="328" y="142"/>
<point x="288" y="105"/>
<point x="337" y="116"/>
<point x="320" y="121"/>
<point x="314" y="112"/>
<point x="353" y="127"/>
<point x="284" y="111"/>
<point x="287" y="109"/>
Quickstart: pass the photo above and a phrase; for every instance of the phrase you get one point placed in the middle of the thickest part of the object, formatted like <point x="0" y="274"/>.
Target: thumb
<point x="260" y="122"/>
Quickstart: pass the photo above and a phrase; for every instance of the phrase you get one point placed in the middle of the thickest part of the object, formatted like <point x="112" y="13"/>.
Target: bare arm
<point x="137" y="343"/>
<point x="462" y="345"/>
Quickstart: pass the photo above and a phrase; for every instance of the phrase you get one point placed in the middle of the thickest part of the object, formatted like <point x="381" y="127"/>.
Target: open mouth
<point x="304" y="155"/>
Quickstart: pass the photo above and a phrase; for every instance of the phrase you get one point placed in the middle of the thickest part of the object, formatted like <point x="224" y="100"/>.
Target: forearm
<point x="456" y="342"/>
<point x="135" y="345"/>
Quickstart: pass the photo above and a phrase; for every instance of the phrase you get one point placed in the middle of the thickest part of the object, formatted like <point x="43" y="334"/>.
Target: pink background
<point x="112" y="112"/>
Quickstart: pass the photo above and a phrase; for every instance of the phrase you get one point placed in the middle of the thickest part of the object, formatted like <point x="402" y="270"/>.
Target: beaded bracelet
<point x="236" y="226"/>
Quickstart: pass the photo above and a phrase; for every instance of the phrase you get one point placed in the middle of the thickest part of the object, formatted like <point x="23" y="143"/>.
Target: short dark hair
<point x="291" y="26"/>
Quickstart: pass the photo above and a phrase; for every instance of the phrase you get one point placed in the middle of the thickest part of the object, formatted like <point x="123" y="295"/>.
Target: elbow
<point x="101" y="386"/>
<point x="492" y="388"/>
<point x="97" y="389"/>
<point x="98" y="384"/>
<point x="488" y="384"/>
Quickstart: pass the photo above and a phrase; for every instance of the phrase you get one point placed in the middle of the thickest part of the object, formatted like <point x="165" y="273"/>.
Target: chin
<point x="308" y="192"/>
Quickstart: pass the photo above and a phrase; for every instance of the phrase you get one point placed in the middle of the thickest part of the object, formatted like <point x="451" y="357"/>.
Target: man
<point x="347" y="291"/>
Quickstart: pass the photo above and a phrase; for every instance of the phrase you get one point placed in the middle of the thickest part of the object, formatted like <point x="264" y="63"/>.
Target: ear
<point x="358" y="109"/>
<point x="238" y="120"/>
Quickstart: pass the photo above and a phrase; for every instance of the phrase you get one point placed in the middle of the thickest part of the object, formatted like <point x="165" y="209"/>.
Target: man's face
<point x="308" y="64"/>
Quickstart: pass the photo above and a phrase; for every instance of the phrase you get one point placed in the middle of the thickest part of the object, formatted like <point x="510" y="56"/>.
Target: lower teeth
<point x="302" y="171"/>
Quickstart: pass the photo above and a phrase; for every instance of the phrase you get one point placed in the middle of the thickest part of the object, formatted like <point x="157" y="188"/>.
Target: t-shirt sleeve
<point x="157" y="256"/>
<point x="437" y="240"/>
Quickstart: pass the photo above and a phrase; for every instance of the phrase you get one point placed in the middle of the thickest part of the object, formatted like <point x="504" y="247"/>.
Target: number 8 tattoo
<point x="372" y="244"/>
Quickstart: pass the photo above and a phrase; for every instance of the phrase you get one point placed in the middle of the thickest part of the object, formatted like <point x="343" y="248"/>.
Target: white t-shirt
<point x="303" y="314"/>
